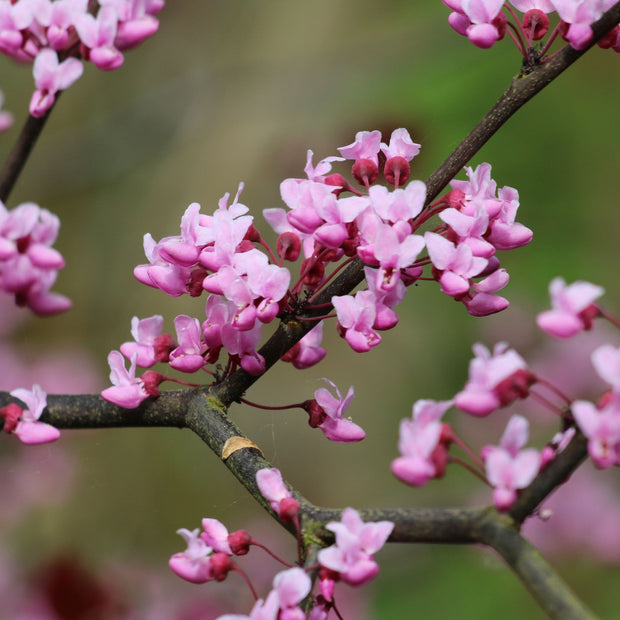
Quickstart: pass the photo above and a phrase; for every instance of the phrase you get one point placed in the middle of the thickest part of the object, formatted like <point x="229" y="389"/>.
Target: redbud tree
<point x="355" y="233"/>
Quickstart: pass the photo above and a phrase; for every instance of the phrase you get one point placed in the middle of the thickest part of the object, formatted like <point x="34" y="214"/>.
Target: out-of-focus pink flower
<point x="193" y="564"/>
<point x="495" y="380"/>
<point x="602" y="428"/>
<point x="50" y="77"/>
<point x="356" y="317"/>
<point x="308" y="351"/>
<point x="273" y="489"/>
<point x="422" y="455"/>
<point x="27" y="426"/>
<point x="509" y="468"/>
<point x="98" y="35"/>
<point x="572" y="308"/>
<point x="356" y="542"/>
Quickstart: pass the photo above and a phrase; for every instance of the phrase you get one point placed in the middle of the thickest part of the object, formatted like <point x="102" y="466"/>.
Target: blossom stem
<point x="615" y="321"/>
<point x="549" y="405"/>
<point x="245" y="401"/>
<point x="554" y="389"/>
<point x="247" y="580"/>
<point x="271" y="553"/>
<point x="468" y="466"/>
<point x="472" y="455"/>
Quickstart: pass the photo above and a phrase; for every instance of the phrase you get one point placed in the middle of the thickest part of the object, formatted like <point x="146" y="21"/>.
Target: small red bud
<point x="221" y="565"/>
<point x="315" y="274"/>
<point x="252" y="234"/>
<point x="239" y="542"/>
<point x="151" y="380"/>
<point x="11" y="414"/>
<point x="163" y="345"/>
<point x="289" y="509"/>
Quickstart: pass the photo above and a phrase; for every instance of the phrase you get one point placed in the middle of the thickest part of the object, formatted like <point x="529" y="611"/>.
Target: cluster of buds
<point x="328" y="222"/>
<point x="496" y="379"/>
<point x="28" y="263"/>
<point x="484" y="22"/>
<point x="56" y="34"/>
<point x="209" y="557"/>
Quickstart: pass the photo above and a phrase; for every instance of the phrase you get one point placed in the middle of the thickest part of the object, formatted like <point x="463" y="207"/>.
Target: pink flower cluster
<point x="328" y="222"/>
<point x="46" y="31"/>
<point x="28" y="263"/>
<point x="209" y="554"/>
<point x="484" y="23"/>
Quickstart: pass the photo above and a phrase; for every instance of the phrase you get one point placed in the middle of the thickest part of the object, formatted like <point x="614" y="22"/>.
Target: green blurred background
<point x="237" y="91"/>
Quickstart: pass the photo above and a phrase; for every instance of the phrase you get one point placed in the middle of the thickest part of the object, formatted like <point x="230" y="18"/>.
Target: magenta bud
<point x="11" y="414"/>
<point x="289" y="509"/>
<point x="151" y="380"/>
<point x="221" y="565"/>
<point x="163" y="345"/>
<point x="239" y="542"/>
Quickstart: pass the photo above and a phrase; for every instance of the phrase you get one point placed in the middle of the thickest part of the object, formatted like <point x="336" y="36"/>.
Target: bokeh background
<point x="238" y="91"/>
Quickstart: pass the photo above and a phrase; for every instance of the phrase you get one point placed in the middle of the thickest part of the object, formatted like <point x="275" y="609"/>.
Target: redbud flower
<point x="193" y="564"/>
<point x="356" y="542"/>
<point x="364" y="151"/>
<point x="308" y="351"/>
<point x="128" y="391"/>
<point x="97" y="35"/>
<point x="495" y="380"/>
<point x="602" y="428"/>
<point x="50" y="77"/>
<point x="401" y="150"/>
<point x="150" y="344"/>
<point x="273" y="489"/>
<point x="508" y="467"/>
<point x="326" y="413"/>
<point x="25" y="422"/>
<point x="419" y="443"/>
<point x="215" y="534"/>
<point x="572" y="308"/>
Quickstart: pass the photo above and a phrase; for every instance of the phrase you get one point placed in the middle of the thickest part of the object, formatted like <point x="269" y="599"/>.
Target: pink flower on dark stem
<point x="25" y="422"/>
<point x="274" y="490"/>
<point x="128" y="391"/>
<point x="508" y="467"/>
<point x="356" y="542"/>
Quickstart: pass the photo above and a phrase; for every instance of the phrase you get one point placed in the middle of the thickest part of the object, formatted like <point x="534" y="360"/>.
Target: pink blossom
<point x="25" y="422"/>
<point x="193" y="564"/>
<point x="602" y="428"/>
<point x="606" y="360"/>
<point x="365" y="146"/>
<point x="509" y="468"/>
<point x="136" y="20"/>
<point x="399" y="205"/>
<point x="274" y="490"/>
<point x="57" y="18"/>
<point x="292" y="586"/>
<point x="579" y="15"/>
<point x="98" y="35"/>
<point x="419" y="444"/>
<point x="127" y="391"/>
<point x="50" y="77"/>
<point x="329" y="415"/>
<point x="356" y="542"/>
<point x="480" y="20"/>
<point x="147" y="335"/>
<point x="189" y="355"/>
<point x="356" y="317"/>
<point x="262" y="610"/>
<point x="572" y="308"/>
<point x="14" y="19"/>
<point x="454" y="264"/>
<point x="401" y="150"/>
<point x="215" y="534"/>
<point x="308" y="351"/>
<point x="495" y="380"/>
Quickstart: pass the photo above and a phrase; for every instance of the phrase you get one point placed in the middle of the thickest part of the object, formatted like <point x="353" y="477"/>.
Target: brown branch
<point x="20" y="152"/>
